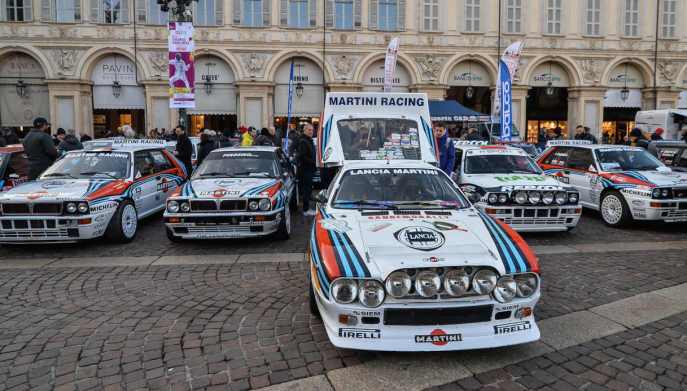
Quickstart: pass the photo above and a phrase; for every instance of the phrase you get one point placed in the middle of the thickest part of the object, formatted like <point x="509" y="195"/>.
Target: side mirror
<point x="321" y="197"/>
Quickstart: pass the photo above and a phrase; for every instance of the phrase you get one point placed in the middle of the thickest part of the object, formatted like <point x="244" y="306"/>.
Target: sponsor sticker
<point x="103" y="206"/>
<point x="395" y="171"/>
<point x="360" y="333"/>
<point x="240" y="155"/>
<point x="446" y="226"/>
<point x="438" y="337"/>
<point x="165" y="185"/>
<point x="420" y="238"/>
<point x="512" y="327"/>
<point x="434" y="260"/>
<point x="515" y="178"/>
<point x="328" y="153"/>
<point x="531" y="187"/>
<point x="367" y="313"/>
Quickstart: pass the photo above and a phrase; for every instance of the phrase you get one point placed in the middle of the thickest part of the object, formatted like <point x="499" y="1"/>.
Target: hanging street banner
<point x="390" y="64"/>
<point x="181" y="72"/>
<point x="290" y="106"/>
<point x="506" y="98"/>
<point x="511" y="60"/>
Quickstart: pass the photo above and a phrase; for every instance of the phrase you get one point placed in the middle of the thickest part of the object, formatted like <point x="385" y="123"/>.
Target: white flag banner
<point x="390" y="63"/>
<point x="511" y="57"/>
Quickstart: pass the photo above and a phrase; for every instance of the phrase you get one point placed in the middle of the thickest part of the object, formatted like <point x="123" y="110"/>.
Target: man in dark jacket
<point x="447" y="150"/>
<point x="69" y="143"/>
<point x="306" y="167"/>
<point x="184" y="149"/>
<point x="207" y="145"/>
<point x="39" y="148"/>
<point x="266" y="137"/>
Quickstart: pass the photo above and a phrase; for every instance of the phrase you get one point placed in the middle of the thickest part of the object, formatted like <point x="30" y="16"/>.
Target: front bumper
<point x="25" y="229"/>
<point x="535" y="218"/>
<point x="666" y="210"/>
<point x="222" y="225"/>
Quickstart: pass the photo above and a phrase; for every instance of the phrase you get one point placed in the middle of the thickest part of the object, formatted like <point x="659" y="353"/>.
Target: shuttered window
<point x="61" y="11"/>
<point x="298" y="13"/>
<point x="251" y="13"/>
<point x="593" y="17"/>
<point x="472" y="16"/>
<point x="430" y="15"/>
<point x="208" y="13"/>
<point x="153" y="14"/>
<point x="553" y="16"/>
<point x="388" y="15"/>
<point x="110" y="11"/>
<point x="514" y="16"/>
<point x="342" y="14"/>
<point x="668" y="21"/>
<point x="631" y="18"/>
<point x="16" y="10"/>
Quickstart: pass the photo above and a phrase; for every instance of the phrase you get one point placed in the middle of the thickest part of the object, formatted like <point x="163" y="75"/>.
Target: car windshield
<point x="397" y="188"/>
<point x="379" y="139"/>
<point x="623" y="159"/>
<point x="238" y="164"/>
<point x="88" y="164"/>
<point x="500" y="164"/>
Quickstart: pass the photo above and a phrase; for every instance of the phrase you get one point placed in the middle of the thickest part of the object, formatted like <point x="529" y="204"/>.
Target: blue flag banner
<point x="506" y="98"/>
<point x="288" y="113"/>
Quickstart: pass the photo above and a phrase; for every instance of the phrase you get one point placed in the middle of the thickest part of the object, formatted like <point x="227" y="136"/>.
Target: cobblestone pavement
<point x="238" y="326"/>
<point x="652" y="357"/>
<point x="152" y="241"/>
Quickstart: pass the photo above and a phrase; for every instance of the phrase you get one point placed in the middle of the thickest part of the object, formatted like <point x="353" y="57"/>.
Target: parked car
<point x="14" y="166"/>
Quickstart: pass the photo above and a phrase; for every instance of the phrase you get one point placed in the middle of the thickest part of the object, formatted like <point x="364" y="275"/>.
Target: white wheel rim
<point x="129" y="221"/>
<point x="287" y="216"/>
<point x="612" y="209"/>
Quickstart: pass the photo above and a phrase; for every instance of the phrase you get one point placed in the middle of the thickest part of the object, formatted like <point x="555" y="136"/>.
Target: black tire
<point x="614" y="210"/>
<point x="172" y="237"/>
<point x="311" y="299"/>
<point x="284" y="231"/>
<point x="124" y="220"/>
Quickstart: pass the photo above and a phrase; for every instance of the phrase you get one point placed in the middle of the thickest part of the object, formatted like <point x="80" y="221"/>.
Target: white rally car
<point x="400" y="261"/>
<point x="622" y="182"/>
<point x="236" y="192"/>
<point x="90" y="193"/>
<point x="507" y="184"/>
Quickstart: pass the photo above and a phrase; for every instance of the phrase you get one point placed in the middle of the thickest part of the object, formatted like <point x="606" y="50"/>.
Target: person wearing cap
<point x="657" y="135"/>
<point x="39" y="148"/>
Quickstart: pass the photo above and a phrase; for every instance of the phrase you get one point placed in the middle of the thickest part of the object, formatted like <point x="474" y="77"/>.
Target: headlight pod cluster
<point x="497" y="198"/>
<point x="370" y="293"/>
<point x="176" y="206"/>
<point x="545" y="197"/>
<point x="261" y="204"/>
<point x="662" y="194"/>
<point x="519" y="285"/>
<point x="72" y="208"/>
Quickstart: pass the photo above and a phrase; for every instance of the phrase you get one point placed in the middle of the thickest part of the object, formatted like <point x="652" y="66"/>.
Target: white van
<point x="375" y="126"/>
<point x="671" y="120"/>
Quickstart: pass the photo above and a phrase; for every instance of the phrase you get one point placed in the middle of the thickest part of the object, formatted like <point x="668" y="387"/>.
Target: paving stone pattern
<point x="652" y="357"/>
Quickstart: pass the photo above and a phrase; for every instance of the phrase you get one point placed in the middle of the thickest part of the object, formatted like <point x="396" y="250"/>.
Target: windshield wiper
<point x="440" y="203"/>
<point x="361" y="203"/>
<point x="60" y="174"/>
<point x="213" y="174"/>
<point x="91" y="173"/>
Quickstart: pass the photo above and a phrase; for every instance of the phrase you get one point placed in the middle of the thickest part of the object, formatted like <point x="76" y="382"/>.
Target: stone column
<point x="667" y="98"/>
<point x="156" y="91"/>
<point x="255" y="95"/>
<point x="648" y="102"/>
<point x="519" y="94"/>
<point x="590" y="108"/>
<point x="77" y="95"/>
<point x="433" y="91"/>
<point x="574" y="111"/>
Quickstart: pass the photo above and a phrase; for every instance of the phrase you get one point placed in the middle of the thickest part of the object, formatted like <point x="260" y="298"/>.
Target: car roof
<point x="670" y="144"/>
<point x="361" y="164"/>
<point x="124" y="145"/>
<point x="593" y="146"/>
<point x="254" y="148"/>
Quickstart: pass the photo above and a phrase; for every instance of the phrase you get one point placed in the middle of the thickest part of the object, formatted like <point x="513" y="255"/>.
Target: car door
<point x="287" y="173"/>
<point x="578" y="166"/>
<point x="164" y="184"/>
<point x="144" y="189"/>
<point x="553" y="164"/>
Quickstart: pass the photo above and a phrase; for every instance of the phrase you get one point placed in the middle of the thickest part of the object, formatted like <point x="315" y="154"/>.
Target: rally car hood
<point x="385" y="243"/>
<point x="55" y="189"/>
<point x="509" y="182"/>
<point x="648" y="178"/>
<point x="230" y="187"/>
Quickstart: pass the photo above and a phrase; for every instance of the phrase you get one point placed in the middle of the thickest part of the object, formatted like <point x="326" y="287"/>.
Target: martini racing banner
<point x="181" y="72"/>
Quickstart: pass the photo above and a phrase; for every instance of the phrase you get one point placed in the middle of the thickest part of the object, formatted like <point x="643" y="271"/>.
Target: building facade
<point x="93" y="65"/>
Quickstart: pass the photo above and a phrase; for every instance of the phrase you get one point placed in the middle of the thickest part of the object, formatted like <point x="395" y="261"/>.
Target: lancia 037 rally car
<point x="621" y="182"/>
<point x="504" y="182"/>
<point x="236" y="192"/>
<point x="400" y="261"/>
<point x="90" y="193"/>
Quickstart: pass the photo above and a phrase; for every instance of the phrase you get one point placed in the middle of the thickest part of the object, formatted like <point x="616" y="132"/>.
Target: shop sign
<point x="375" y="76"/>
<point x="304" y="71"/>
<point x="626" y="75"/>
<point x="21" y="66"/>
<point x="546" y="73"/>
<point x="213" y="70"/>
<point x="470" y="73"/>
<point x="114" y="68"/>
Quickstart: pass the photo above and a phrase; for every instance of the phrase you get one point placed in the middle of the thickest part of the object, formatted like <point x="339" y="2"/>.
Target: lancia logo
<point x="420" y="238"/>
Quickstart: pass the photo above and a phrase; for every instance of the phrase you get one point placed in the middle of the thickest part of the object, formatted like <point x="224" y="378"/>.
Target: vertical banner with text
<point x="181" y="72"/>
<point x="390" y="64"/>
<point x="506" y="99"/>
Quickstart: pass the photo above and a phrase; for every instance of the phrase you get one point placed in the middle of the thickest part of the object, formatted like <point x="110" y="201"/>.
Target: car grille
<point x="37" y="228"/>
<point x="38" y="208"/>
<point x="233" y="205"/>
<point x="203" y="206"/>
<point x="437" y="316"/>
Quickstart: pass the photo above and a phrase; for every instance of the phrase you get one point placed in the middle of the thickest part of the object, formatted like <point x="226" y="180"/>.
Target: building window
<point x="553" y="16"/>
<point x="431" y="15"/>
<point x="110" y="11"/>
<point x="61" y="11"/>
<point x="252" y="13"/>
<point x="514" y="16"/>
<point x="668" y="20"/>
<point x="593" y="17"/>
<point x="208" y="13"/>
<point x="154" y="15"/>
<point x="387" y="15"/>
<point x="472" y="14"/>
<point x="631" y="18"/>
<point x="298" y="14"/>
<point x="16" y="10"/>
<point x="343" y="14"/>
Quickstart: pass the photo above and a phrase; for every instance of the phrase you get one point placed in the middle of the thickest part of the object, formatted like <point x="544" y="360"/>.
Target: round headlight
<point x="371" y="293"/>
<point x="534" y="197"/>
<point x="520" y="197"/>
<point x="656" y="193"/>
<point x="172" y="207"/>
<point x="503" y="198"/>
<point x="253" y="205"/>
<point x="456" y="282"/>
<point x="83" y="207"/>
<point x="344" y="290"/>
<point x="398" y="284"/>
<point x="493" y="198"/>
<point x="665" y="193"/>
<point x="561" y="197"/>
<point x="526" y="284"/>
<point x="427" y="283"/>
<point x="505" y="289"/>
<point x="264" y="204"/>
<point x="484" y="281"/>
<point x="573" y="197"/>
<point x="71" y="207"/>
<point x="185" y="207"/>
<point x="547" y="197"/>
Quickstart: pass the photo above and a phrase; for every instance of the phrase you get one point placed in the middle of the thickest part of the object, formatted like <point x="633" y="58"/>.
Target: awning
<point x="220" y="101"/>
<point x="613" y="99"/>
<point x="130" y="97"/>
<point x="452" y="111"/>
<point x="682" y="101"/>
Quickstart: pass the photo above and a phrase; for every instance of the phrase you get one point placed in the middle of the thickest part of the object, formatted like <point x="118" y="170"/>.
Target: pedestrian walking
<point x="306" y="167"/>
<point x="447" y="150"/>
<point x="39" y="148"/>
<point x="69" y="143"/>
<point x="184" y="149"/>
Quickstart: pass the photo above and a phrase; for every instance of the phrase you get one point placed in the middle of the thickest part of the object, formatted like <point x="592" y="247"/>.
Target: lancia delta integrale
<point x="88" y="194"/>
<point x="236" y="192"/>
<point x="400" y="261"/>
<point x="507" y="184"/>
<point x="622" y="182"/>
